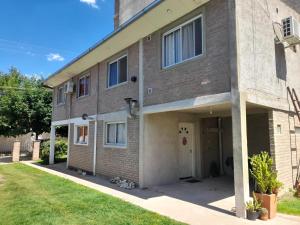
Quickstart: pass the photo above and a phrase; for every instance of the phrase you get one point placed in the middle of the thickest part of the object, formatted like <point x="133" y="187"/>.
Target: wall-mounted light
<point x="86" y="117"/>
<point x="133" y="107"/>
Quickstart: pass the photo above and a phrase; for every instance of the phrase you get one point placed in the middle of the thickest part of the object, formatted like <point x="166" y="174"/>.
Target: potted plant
<point x="266" y="182"/>
<point x="253" y="209"/>
<point x="276" y="185"/>
<point x="264" y="214"/>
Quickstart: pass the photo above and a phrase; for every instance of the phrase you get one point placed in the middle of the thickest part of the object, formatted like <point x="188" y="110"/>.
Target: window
<point x="117" y="73"/>
<point x="278" y="129"/>
<point x="81" y="135"/>
<point x="61" y="96"/>
<point x="83" y="86"/>
<point x="116" y="134"/>
<point x="183" y="42"/>
<point x="297" y="130"/>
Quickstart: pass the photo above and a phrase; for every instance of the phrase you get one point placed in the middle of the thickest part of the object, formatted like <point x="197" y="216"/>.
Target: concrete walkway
<point x="170" y="200"/>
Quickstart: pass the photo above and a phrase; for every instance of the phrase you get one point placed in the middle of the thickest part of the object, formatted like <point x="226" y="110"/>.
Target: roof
<point x="155" y="16"/>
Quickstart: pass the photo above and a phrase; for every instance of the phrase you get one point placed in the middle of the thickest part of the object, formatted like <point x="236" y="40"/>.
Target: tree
<point x="25" y="105"/>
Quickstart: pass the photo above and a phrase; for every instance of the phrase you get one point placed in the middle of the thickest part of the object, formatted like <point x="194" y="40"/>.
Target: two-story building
<point x="183" y="88"/>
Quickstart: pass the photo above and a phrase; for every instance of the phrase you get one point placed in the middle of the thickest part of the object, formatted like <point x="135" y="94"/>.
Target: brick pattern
<point x="205" y="75"/>
<point x="81" y="156"/>
<point x="112" y="162"/>
<point x="281" y="144"/>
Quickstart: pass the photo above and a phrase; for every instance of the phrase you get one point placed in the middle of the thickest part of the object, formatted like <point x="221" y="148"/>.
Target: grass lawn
<point x="289" y="205"/>
<point x="30" y="196"/>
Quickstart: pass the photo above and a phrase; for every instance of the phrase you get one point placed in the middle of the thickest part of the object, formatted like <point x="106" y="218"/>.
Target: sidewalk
<point x="164" y="204"/>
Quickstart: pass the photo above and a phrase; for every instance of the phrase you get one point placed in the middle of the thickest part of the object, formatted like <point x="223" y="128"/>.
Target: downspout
<point x="220" y="145"/>
<point x="69" y="128"/>
<point x="96" y="124"/>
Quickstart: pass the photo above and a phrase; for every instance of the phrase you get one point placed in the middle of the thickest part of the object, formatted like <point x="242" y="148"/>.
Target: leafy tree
<point x="25" y="105"/>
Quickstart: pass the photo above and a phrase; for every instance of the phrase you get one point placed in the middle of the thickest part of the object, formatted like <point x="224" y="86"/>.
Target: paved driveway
<point x="209" y="202"/>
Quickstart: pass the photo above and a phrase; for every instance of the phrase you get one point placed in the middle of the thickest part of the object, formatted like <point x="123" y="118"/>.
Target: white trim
<point x="77" y="121"/>
<point x="108" y="70"/>
<point x="179" y="27"/>
<point x="191" y="103"/>
<point x="116" y="145"/>
<point x="75" y="134"/>
<point x="141" y="117"/>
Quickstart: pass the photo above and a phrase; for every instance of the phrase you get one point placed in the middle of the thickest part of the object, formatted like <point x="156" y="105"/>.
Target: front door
<point x="186" y="149"/>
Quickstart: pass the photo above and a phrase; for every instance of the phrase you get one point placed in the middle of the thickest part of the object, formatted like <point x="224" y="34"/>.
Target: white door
<point x="186" y="149"/>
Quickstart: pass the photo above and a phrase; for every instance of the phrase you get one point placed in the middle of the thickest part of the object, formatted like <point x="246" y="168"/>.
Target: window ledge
<point x="116" y="146"/>
<point x="60" y="104"/>
<point x="117" y="85"/>
<point x="81" y="144"/>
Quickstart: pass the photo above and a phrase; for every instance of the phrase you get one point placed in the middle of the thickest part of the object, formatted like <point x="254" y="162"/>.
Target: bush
<point x="61" y="149"/>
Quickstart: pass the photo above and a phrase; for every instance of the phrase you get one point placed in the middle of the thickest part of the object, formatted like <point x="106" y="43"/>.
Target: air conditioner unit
<point x="291" y="31"/>
<point x="69" y="87"/>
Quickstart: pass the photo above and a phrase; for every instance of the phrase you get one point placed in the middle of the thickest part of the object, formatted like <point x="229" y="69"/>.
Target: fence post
<point x="16" y="151"/>
<point x="36" y="150"/>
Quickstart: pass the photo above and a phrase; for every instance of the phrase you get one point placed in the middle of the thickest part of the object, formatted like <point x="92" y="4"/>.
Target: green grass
<point x="30" y="196"/>
<point x="289" y="205"/>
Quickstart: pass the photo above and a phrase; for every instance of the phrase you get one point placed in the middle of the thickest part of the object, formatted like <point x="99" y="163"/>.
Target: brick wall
<point x="281" y="144"/>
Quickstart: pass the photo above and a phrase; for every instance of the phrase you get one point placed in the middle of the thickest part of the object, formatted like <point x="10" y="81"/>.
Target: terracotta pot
<point x="269" y="202"/>
<point x="264" y="216"/>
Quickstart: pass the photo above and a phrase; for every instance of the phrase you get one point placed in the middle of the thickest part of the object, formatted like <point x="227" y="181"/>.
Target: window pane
<point x="81" y="87"/>
<point x="87" y="85"/>
<point x="113" y="74"/>
<point x="86" y="134"/>
<point x="111" y="134"/>
<point x="188" y="50"/>
<point x="59" y="95"/>
<point x="177" y="47"/>
<point x="198" y="36"/>
<point x="121" y="133"/>
<point x="169" y="49"/>
<point x="123" y="70"/>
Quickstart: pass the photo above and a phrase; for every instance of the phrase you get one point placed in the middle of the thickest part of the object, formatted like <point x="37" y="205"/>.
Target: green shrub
<point x="61" y="149"/>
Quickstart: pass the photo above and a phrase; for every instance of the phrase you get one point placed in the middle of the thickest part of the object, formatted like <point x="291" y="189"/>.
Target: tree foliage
<point x="25" y="105"/>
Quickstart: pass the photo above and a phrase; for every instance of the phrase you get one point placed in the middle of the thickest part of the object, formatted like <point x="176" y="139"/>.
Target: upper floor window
<point x="61" y="96"/>
<point x="83" y="86"/>
<point x="117" y="72"/>
<point x="183" y="42"/>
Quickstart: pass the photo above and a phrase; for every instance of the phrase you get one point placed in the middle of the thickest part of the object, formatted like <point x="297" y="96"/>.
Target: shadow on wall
<point x="295" y="4"/>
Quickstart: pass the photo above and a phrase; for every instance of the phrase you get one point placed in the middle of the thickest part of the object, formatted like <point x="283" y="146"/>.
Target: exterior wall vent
<point x="291" y="31"/>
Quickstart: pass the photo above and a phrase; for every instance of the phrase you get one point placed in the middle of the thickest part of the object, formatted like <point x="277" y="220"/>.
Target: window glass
<point x="83" y="86"/>
<point x="60" y="95"/>
<point x="111" y="133"/>
<point x="121" y="133"/>
<point x="188" y="41"/>
<point x="113" y="74"/>
<point x="123" y="70"/>
<point x="184" y="43"/>
<point x="82" y="135"/>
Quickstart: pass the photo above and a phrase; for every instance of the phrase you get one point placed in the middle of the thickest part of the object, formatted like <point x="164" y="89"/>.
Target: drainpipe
<point x="96" y="124"/>
<point x="69" y="128"/>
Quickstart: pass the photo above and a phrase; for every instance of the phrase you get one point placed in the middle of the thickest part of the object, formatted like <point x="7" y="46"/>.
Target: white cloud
<point x="92" y="3"/>
<point x="55" y="57"/>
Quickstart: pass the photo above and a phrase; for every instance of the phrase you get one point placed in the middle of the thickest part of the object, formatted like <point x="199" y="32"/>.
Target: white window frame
<point x="179" y="27"/>
<point x="89" y="86"/>
<point x="64" y="95"/>
<point x="75" y="134"/>
<point x="108" y="74"/>
<point x="112" y="145"/>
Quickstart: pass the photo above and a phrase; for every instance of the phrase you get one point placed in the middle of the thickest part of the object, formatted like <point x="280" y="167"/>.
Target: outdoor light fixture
<point x="133" y="107"/>
<point x="86" y="117"/>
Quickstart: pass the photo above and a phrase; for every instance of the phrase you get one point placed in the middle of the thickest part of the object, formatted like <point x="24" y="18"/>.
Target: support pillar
<point x="240" y="152"/>
<point x="52" y="145"/>
<point x="36" y="150"/>
<point x="16" y="151"/>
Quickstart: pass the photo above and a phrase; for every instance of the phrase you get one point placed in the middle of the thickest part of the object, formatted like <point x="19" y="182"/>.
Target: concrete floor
<point x="208" y="202"/>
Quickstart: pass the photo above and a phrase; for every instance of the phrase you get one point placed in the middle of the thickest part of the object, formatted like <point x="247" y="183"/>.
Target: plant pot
<point x="252" y="215"/>
<point x="264" y="216"/>
<point x="269" y="202"/>
<point x="276" y="191"/>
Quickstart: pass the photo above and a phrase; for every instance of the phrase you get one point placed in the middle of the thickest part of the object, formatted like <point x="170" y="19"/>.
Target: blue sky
<point x="40" y="36"/>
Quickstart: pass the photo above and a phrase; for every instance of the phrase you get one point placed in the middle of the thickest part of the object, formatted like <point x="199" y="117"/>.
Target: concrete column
<point x="16" y="151"/>
<point x="240" y="152"/>
<point x="36" y="150"/>
<point x="52" y="145"/>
